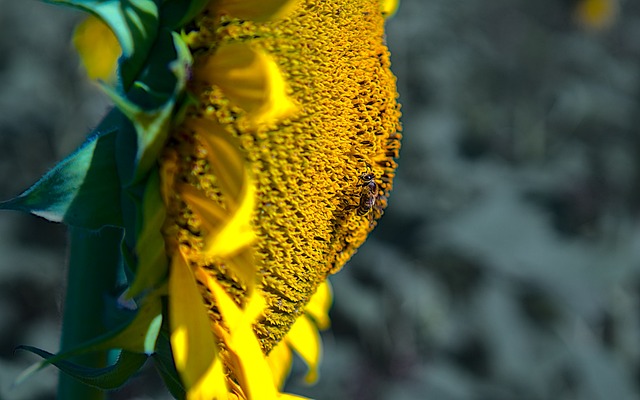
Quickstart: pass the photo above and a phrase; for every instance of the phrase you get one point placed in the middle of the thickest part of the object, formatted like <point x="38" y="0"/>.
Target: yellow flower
<point x="98" y="48"/>
<point x="272" y="182"/>
<point x="596" y="14"/>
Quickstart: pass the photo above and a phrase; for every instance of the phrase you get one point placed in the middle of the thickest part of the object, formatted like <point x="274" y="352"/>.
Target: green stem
<point x="93" y="265"/>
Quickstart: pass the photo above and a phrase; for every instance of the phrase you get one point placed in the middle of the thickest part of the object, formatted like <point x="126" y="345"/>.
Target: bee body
<point x="368" y="195"/>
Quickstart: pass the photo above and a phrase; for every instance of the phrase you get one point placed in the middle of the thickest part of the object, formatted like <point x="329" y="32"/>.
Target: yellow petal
<point x="250" y="79"/>
<point x="224" y="156"/>
<point x="389" y="7"/>
<point x="243" y="266"/>
<point x="279" y="360"/>
<point x="194" y="349"/>
<point x="288" y="396"/>
<point x="305" y="340"/>
<point x="227" y="235"/>
<point x="257" y="10"/>
<point x="212" y="214"/>
<point x="98" y="48"/>
<point x="319" y="305"/>
<point x="212" y="385"/>
<point x="237" y="233"/>
<point x="229" y="229"/>
<point x="252" y="370"/>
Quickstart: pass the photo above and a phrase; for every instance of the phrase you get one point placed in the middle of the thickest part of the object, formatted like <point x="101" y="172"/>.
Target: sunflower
<point x="257" y="172"/>
<point x="264" y="178"/>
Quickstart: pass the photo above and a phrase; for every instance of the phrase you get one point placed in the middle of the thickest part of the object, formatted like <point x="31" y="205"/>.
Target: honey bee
<point x="368" y="194"/>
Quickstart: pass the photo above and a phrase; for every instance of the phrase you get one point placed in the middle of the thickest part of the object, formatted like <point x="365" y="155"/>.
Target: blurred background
<point x="508" y="263"/>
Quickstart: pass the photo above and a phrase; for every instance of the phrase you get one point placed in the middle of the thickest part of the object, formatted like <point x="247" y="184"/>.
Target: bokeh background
<point x="508" y="263"/>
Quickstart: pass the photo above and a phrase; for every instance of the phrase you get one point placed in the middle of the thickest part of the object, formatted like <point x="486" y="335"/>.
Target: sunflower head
<point x="305" y="110"/>
<point x="248" y="157"/>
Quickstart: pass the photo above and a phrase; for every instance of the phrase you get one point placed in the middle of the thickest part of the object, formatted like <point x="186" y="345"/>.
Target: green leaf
<point x="152" y="130"/>
<point x="152" y="125"/>
<point x="108" y="378"/>
<point x="138" y="336"/>
<point x="152" y="260"/>
<point x="163" y="358"/>
<point x="82" y="190"/>
<point x="177" y="13"/>
<point x="182" y="64"/>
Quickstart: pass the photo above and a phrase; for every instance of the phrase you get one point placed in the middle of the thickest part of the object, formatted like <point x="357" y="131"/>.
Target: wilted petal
<point x="168" y="170"/>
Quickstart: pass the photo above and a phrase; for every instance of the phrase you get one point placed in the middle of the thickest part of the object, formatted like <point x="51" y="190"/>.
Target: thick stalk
<point x="93" y="266"/>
